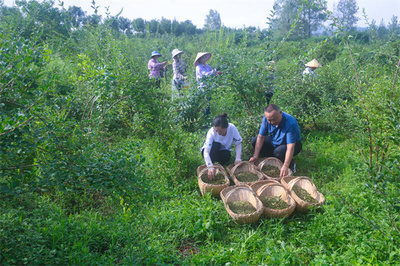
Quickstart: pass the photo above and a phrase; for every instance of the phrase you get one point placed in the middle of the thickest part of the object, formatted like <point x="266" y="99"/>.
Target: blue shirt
<point x="287" y="132"/>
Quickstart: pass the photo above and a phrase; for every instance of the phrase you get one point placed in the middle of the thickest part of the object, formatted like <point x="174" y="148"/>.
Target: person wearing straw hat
<point x="310" y="68"/>
<point x="202" y="72"/>
<point x="179" y="69"/>
<point x="279" y="137"/>
<point x="202" y="69"/>
<point x="155" y="67"/>
<point x="217" y="147"/>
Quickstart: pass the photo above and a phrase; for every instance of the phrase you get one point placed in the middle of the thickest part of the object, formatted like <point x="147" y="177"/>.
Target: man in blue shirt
<point x="279" y="137"/>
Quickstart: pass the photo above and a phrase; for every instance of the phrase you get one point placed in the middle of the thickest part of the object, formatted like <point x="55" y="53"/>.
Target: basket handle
<point x="238" y="188"/>
<point x="240" y="164"/>
<point x="263" y="187"/>
<point x="295" y="180"/>
<point x="262" y="163"/>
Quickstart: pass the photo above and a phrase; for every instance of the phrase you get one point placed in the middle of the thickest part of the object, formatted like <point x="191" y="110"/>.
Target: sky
<point x="234" y="13"/>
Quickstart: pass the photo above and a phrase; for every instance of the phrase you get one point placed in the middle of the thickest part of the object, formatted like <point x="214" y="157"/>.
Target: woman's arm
<point x="238" y="153"/>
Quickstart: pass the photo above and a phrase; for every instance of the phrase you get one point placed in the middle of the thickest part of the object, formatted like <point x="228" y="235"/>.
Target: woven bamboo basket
<point x="229" y="168"/>
<point x="214" y="189"/>
<point x="259" y="160"/>
<point x="272" y="161"/>
<point x="244" y="167"/>
<point x="224" y="193"/>
<point x="244" y="194"/>
<point x="256" y="185"/>
<point x="307" y="184"/>
<point x="277" y="190"/>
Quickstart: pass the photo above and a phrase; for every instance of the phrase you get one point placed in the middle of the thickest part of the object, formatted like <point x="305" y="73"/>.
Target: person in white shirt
<point x="217" y="147"/>
<point x="310" y="69"/>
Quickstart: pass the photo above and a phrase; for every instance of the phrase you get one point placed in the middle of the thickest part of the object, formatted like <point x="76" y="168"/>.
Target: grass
<point x="176" y="225"/>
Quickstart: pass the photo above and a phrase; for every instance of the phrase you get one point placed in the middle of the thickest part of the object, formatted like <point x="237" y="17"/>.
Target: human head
<point x="155" y="55"/>
<point x="176" y="53"/>
<point x="273" y="114"/>
<point x="204" y="58"/>
<point x="221" y="124"/>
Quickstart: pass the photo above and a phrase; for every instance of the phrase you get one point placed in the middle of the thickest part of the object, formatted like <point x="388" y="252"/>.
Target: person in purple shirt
<point x="155" y="67"/>
<point x="279" y="137"/>
<point x="203" y="70"/>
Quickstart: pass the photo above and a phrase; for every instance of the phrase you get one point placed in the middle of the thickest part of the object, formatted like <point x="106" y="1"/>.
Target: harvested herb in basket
<point x="241" y="207"/>
<point x="219" y="179"/>
<point x="274" y="202"/>
<point x="246" y="177"/>
<point x="271" y="171"/>
<point x="303" y="194"/>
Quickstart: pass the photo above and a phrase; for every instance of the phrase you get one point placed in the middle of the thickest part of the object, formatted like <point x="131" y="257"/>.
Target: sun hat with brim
<point x="154" y="53"/>
<point x="313" y="63"/>
<point x="175" y="52"/>
<point x="207" y="55"/>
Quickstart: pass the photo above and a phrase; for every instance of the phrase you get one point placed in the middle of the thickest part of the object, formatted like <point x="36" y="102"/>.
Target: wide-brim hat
<point x="175" y="52"/>
<point x="154" y="53"/>
<point x="206" y="54"/>
<point x="313" y="63"/>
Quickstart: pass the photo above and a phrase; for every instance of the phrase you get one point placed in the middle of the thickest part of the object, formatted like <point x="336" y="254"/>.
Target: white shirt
<point x="232" y="136"/>
<point x="309" y="72"/>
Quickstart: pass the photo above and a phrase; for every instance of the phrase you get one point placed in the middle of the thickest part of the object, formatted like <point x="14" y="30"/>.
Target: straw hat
<point x="154" y="53"/>
<point x="313" y="63"/>
<point x="175" y="52"/>
<point x="207" y="55"/>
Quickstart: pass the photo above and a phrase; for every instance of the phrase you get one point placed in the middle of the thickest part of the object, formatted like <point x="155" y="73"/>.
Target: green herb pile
<point x="241" y="207"/>
<point x="274" y="202"/>
<point x="246" y="177"/>
<point x="271" y="171"/>
<point x="303" y="194"/>
<point x="217" y="180"/>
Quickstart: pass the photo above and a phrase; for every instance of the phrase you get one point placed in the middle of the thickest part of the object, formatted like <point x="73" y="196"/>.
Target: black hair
<point x="221" y="120"/>
<point x="271" y="107"/>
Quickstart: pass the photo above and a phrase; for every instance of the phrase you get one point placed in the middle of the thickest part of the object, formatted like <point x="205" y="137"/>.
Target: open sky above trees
<point x="234" y="13"/>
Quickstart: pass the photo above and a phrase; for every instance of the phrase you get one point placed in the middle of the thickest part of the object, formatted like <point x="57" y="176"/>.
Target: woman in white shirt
<point x="217" y="147"/>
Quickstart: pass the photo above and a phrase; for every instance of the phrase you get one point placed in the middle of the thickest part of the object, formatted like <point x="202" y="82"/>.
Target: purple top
<point x="203" y="70"/>
<point x="154" y="68"/>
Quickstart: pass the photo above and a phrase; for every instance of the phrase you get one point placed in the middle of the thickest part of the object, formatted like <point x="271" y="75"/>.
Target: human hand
<point x="284" y="171"/>
<point x="211" y="173"/>
<point x="165" y="62"/>
<point x="219" y="73"/>
<point x="253" y="159"/>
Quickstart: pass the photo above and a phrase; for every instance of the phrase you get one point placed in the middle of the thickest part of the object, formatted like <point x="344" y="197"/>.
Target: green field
<point x="98" y="165"/>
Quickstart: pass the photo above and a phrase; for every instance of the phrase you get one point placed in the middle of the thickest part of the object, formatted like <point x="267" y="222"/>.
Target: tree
<point x="287" y="12"/>
<point x="346" y="13"/>
<point x="165" y="26"/>
<point x="77" y="16"/>
<point x="394" y="27"/>
<point x="139" y="25"/>
<point x="213" y="20"/>
<point x="190" y="29"/>
<point x="125" y="25"/>
<point x="382" y="30"/>
<point x="153" y="26"/>
<point x="312" y="18"/>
